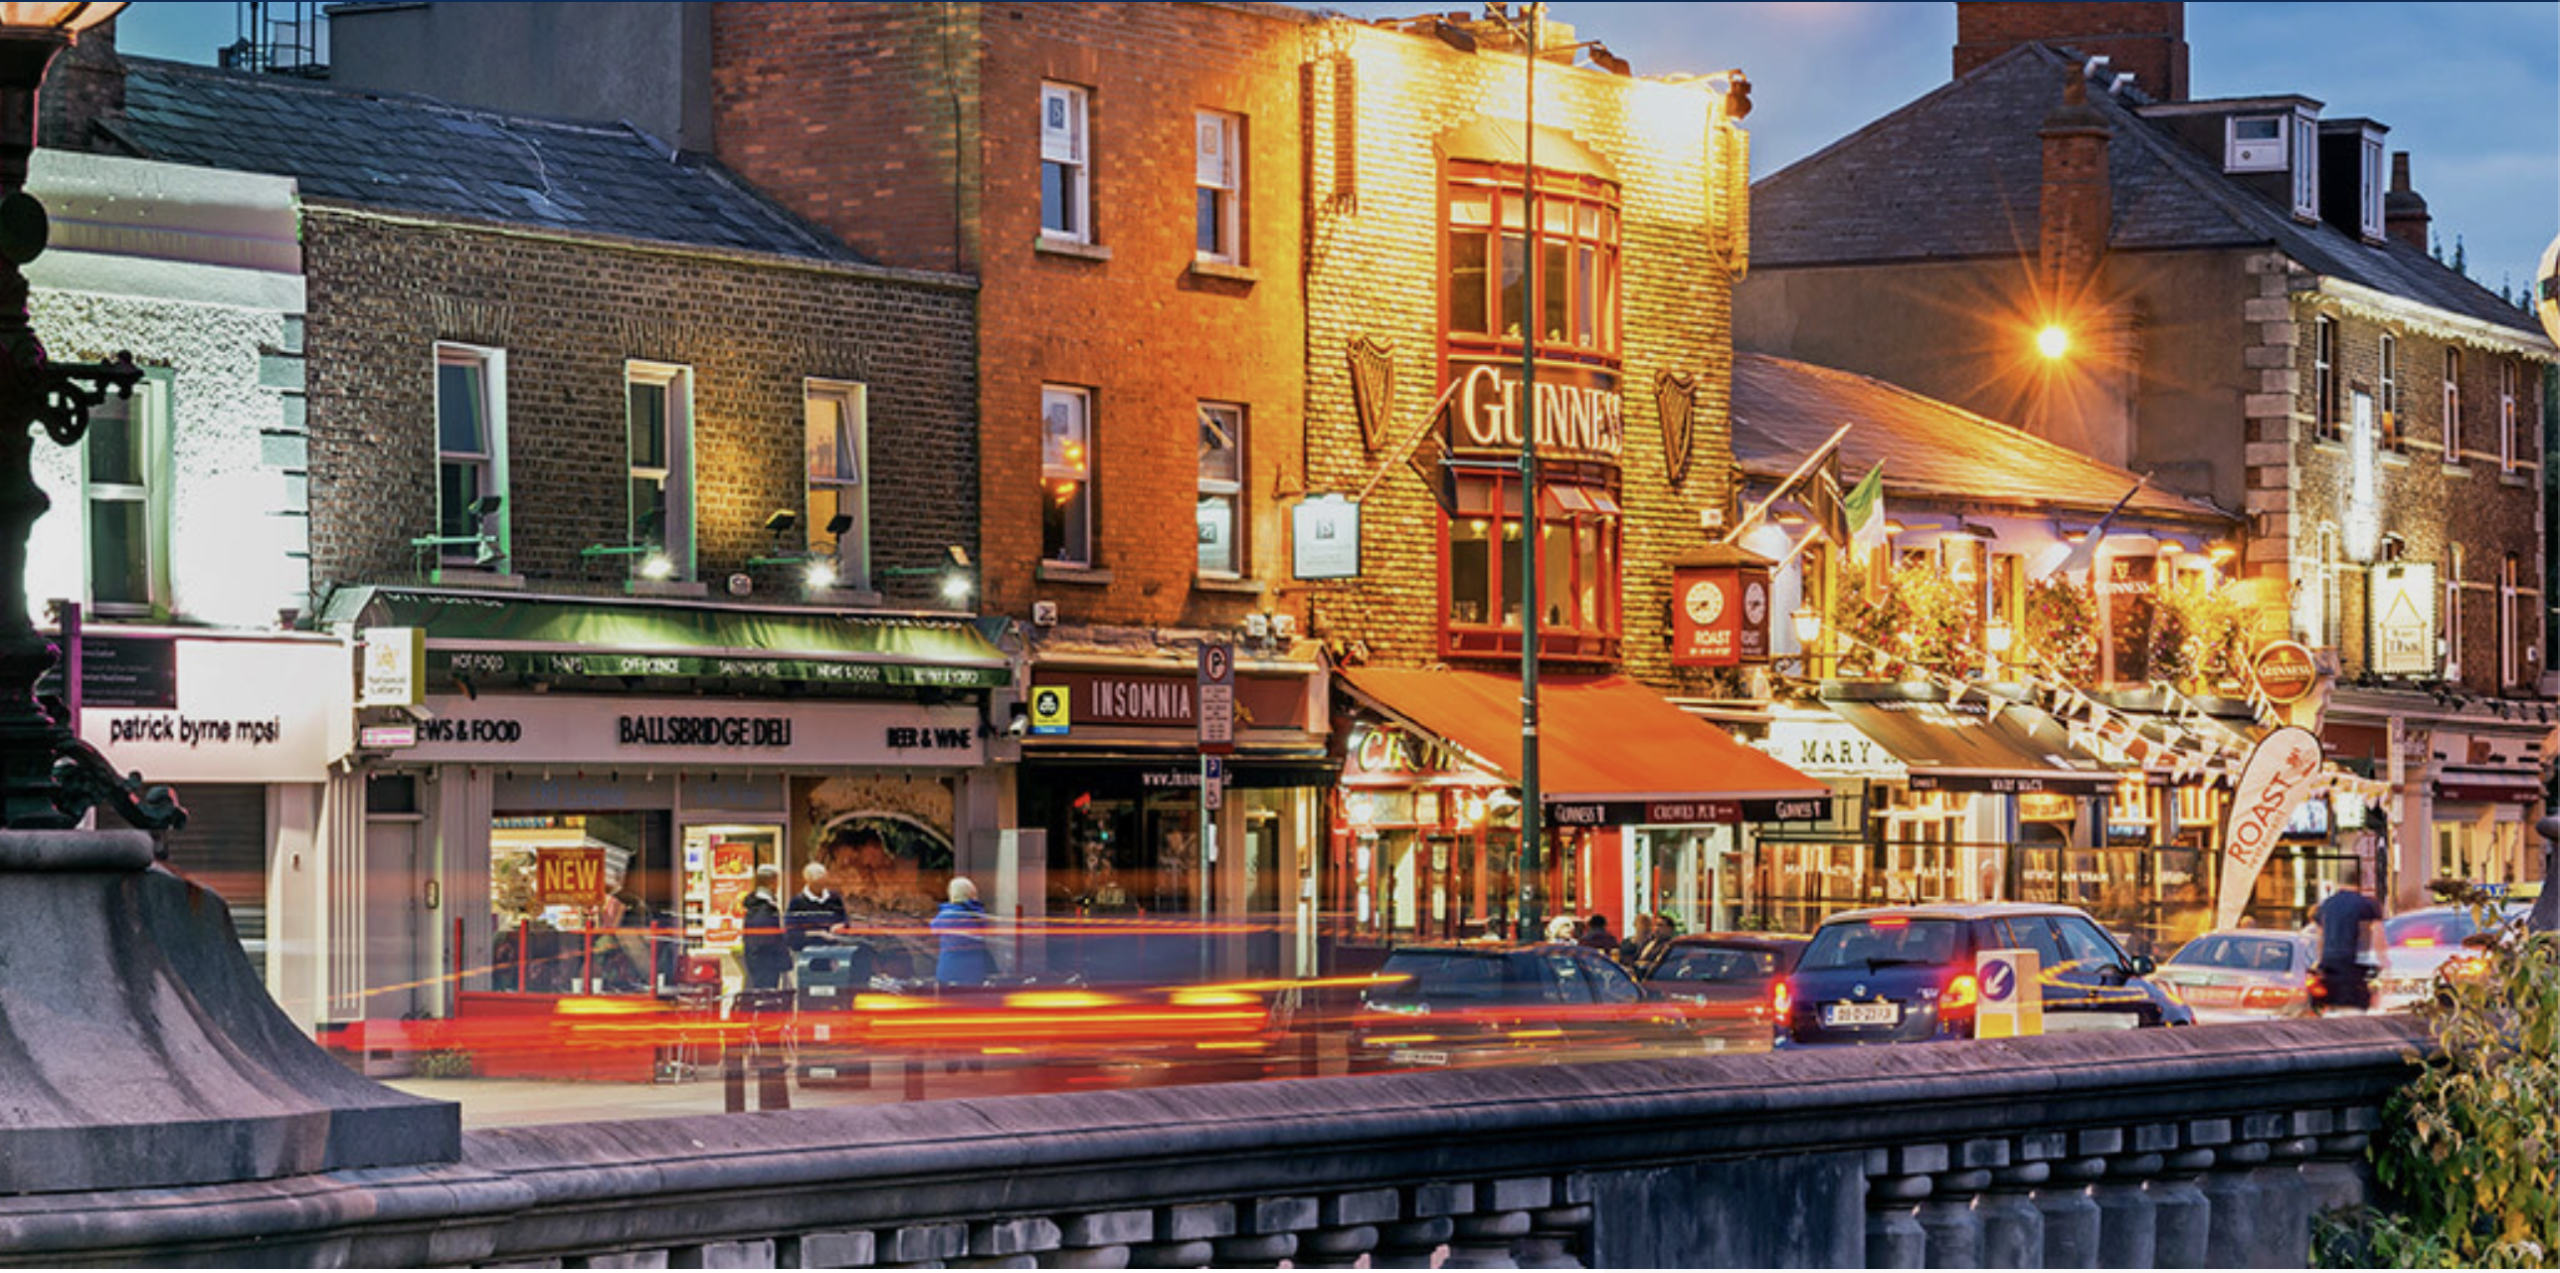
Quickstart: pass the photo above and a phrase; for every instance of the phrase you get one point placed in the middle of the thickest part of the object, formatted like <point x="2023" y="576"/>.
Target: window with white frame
<point x="659" y="414"/>
<point x="1066" y="476"/>
<point x="124" y="474"/>
<point x="1218" y="161"/>
<point x="839" y="480"/>
<point x="2369" y="186"/>
<point x="2452" y="405"/>
<point x="2453" y="612"/>
<point x="2514" y="449"/>
<point x="2510" y="623"/>
<point x="1221" y="489"/>
<point x="2306" y="166"/>
<point x="2390" y="395"/>
<point x="2324" y="376"/>
<point x="471" y="454"/>
<point x="1065" y="179"/>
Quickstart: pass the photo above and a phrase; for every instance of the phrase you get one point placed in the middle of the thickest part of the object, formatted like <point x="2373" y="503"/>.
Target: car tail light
<point x="1782" y="1001"/>
<point x="2419" y="943"/>
<point x="2268" y="996"/>
<point x="2465" y="964"/>
<point x="1961" y="992"/>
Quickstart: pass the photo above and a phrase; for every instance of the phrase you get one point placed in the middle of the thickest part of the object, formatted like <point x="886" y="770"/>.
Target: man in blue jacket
<point x="961" y="925"/>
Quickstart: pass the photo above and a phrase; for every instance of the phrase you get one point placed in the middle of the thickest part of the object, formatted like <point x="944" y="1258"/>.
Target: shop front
<point x="1155" y="870"/>
<point x="245" y="729"/>
<point x="2487" y="789"/>
<point x="1644" y="806"/>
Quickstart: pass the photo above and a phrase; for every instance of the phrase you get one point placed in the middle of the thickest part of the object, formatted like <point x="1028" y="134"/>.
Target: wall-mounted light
<point x="820" y="574"/>
<point x="1998" y="635"/>
<point x="657" y="565"/>
<point x="1807" y="622"/>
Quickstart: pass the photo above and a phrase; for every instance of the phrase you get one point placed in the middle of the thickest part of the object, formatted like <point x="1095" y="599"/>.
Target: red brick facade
<point x="912" y="131"/>
<point x="2147" y="39"/>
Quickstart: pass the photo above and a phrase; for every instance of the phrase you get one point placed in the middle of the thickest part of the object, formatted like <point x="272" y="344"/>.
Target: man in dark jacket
<point x="815" y="911"/>
<point x="1597" y="936"/>
<point x="768" y="952"/>
<point x="961" y="925"/>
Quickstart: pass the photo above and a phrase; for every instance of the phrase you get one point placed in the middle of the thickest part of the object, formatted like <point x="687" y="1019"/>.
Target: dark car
<point x="1492" y="1004"/>
<point x="1729" y="981"/>
<point x="1905" y="974"/>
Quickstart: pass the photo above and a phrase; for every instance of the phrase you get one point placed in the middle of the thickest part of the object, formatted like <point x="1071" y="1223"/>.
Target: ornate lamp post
<point x="48" y="777"/>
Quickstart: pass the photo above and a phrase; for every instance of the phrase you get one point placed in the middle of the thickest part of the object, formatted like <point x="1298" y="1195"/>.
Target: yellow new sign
<point x="1049" y="711"/>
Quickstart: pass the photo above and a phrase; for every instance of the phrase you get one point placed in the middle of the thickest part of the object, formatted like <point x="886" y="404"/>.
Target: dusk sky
<point x="2471" y="90"/>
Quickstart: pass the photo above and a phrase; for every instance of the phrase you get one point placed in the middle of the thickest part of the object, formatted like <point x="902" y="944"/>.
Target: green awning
<point x="492" y="638"/>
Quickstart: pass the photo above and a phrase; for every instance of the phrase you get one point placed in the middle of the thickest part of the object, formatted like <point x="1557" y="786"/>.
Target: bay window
<point x="1578" y="600"/>
<point x="1488" y="252"/>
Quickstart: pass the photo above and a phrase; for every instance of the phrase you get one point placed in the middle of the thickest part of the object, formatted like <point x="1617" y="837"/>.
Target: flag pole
<point x="1820" y="454"/>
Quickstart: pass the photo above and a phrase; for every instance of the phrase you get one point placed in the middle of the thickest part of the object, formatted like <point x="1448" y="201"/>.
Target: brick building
<point x="644" y="500"/>
<point x="2242" y="306"/>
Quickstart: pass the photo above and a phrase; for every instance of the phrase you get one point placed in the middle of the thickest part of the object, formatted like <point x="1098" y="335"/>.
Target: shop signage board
<point x="1828" y="747"/>
<point x="1324" y="538"/>
<point x="394" y="664"/>
<point x="487" y="666"/>
<point x="1171" y="700"/>
<point x="2277" y="779"/>
<point x="570" y="876"/>
<point x="2285" y="671"/>
<point x="1217" y="697"/>
<point x="1673" y="813"/>
<point x="122" y="672"/>
<point x="1052" y="711"/>
<point x="2016" y="784"/>
<point x="242" y="711"/>
<point x="1579" y="414"/>
<point x="622" y="730"/>
<point x="2401" y="599"/>
<point x="1719" y="616"/>
<point x="1213" y="783"/>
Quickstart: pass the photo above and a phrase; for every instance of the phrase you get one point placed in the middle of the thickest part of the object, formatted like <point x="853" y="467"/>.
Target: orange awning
<point x="1610" y="751"/>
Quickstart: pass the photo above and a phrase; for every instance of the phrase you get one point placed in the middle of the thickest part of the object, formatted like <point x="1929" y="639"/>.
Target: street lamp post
<point x="1532" y="806"/>
<point x="48" y="777"/>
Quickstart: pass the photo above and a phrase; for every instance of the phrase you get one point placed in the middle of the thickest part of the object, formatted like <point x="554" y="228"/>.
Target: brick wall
<point x="1147" y="335"/>
<point x="569" y="314"/>
<point x="83" y="87"/>
<point x="1374" y="270"/>
<point x="2148" y="39"/>
<point x="2430" y="504"/>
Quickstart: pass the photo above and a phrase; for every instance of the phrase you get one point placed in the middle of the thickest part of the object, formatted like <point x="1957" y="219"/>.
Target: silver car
<point x="2242" y="974"/>
<point x="2420" y="945"/>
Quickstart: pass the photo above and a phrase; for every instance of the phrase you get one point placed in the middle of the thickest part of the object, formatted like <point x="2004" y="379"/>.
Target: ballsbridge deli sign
<point x="1580" y="415"/>
<point x="510" y="665"/>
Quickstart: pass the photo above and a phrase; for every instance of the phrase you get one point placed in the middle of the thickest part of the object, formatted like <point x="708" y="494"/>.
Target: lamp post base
<point x="142" y="1050"/>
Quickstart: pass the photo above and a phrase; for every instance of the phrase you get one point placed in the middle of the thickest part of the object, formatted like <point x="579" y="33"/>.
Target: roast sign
<point x="2285" y="671"/>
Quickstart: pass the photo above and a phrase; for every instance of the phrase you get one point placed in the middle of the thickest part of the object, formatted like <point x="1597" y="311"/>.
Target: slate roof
<point x="1959" y="173"/>
<point x="1783" y="409"/>
<point x="405" y="153"/>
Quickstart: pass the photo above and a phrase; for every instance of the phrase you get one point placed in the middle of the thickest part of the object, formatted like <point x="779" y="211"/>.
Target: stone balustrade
<point x="2163" y="1148"/>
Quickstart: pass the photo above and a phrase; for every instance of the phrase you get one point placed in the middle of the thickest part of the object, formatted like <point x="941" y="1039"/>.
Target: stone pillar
<point x="1346" y="1228"/>
<point x="1426" y="1227"/>
<point x="1954" y="1231"/>
<point x="2128" y="1227"/>
<point x="2012" y="1226"/>
<point x="2180" y="1212"/>
<point x="2071" y="1220"/>
<point x="1560" y="1235"/>
<point x="2231" y="1228"/>
<point x="1895" y="1239"/>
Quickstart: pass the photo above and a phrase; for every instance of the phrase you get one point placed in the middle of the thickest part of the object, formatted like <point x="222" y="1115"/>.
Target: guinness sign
<point x="2284" y="671"/>
<point x="1579" y="415"/>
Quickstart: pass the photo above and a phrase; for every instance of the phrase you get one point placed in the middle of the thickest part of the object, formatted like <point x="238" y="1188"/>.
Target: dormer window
<point x="2254" y="143"/>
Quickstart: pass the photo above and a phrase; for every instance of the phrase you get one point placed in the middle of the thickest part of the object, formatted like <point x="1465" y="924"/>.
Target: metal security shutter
<point x="224" y="848"/>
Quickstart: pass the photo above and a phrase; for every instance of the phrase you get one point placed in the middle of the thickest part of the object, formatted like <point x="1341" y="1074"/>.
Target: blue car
<point x="1905" y="974"/>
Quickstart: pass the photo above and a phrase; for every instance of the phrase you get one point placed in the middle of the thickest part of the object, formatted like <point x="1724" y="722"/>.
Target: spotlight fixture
<point x="820" y="575"/>
<point x="658" y="566"/>
<point x="839" y="524"/>
<point x="487" y="506"/>
<point x="955" y="588"/>
<point x="782" y="521"/>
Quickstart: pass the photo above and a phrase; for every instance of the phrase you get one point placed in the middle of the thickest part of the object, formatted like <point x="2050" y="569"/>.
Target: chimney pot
<point x="2404" y="214"/>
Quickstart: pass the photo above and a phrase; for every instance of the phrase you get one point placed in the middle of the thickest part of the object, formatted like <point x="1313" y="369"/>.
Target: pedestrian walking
<point x="768" y="951"/>
<point x="2350" y="924"/>
<point x="961" y="925"/>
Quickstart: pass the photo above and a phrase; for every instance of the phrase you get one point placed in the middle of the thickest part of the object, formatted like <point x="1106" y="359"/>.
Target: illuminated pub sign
<point x="1719" y="615"/>
<point x="2402" y="603"/>
<point x="1579" y="415"/>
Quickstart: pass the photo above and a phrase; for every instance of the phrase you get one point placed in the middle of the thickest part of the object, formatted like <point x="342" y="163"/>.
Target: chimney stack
<point x="2077" y="210"/>
<point x="2404" y="214"/>
<point x="2147" y="40"/>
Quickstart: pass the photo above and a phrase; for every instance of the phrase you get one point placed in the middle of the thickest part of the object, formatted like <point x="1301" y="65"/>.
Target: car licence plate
<point x="1862" y="1014"/>
<point x="2212" y="996"/>
<point x="1415" y="1056"/>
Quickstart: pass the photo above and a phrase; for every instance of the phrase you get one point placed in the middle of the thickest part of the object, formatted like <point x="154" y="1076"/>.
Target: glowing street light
<point x="2053" y="342"/>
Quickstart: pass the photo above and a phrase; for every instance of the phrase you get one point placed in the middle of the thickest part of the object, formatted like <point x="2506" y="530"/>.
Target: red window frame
<point x="1587" y="621"/>
<point x="1582" y="233"/>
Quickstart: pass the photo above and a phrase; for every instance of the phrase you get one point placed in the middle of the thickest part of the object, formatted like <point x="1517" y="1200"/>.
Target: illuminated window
<point x="2390" y="357"/>
<point x="2452" y="405"/>
<point x="2510" y="625"/>
<point x="1066" y="476"/>
<point x="1488" y="251"/>
<point x="1577" y="559"/>
<point x="1218" y="161"/>
<point x="1221" y="489"/>
<point x="2514" y="449"/>
<point x="2324" y="376"/>
<point x="660" y="419"/>
<point x="838" y="444"/>
<point x="125" y="473"/>
<point x="471" y="459"/>
<point x="1065" y="207"/>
